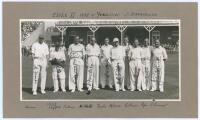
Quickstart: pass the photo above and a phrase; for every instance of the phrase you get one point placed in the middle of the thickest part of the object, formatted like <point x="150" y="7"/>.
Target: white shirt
<point x="40" y="50"/>
<point x="146" y="52"/>
<point x="118" y="53"/>
<point x="105" y="51"/>
<point x="159" y="53"/>
<point x="135" y="53"/>
<point x="93" y="50"/>
<point x="127" y="48"/>
<point x="76" y="50"/>
<point x="60" y="54"/>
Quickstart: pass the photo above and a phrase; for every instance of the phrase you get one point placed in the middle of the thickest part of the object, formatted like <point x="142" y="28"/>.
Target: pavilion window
<point x="155" y="35"/>
<point x="89" y="36"/>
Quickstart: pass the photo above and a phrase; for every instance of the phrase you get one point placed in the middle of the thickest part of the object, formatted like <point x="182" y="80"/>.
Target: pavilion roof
<point x="116" y="22"/>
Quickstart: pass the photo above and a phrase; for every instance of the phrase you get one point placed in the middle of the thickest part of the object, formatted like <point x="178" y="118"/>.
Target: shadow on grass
<point x="29" y="90"/>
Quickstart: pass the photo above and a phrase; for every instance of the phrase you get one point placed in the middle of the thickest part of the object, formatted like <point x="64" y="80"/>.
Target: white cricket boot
<point x="34" y="93"/>
<point x="43" y="92"/>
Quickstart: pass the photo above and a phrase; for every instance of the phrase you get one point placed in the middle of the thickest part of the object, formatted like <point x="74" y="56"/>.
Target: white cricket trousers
<point x="127" y="73"/>
<point x="93" y="73"/>
<point x="147" y="73"/>
<point x="136" y="75"/>
<point x="76" y="74"/>
<point x="158" y="72"/>
<point x="58" y="73"/>
<point x="39" y="68"/>
<point x="118" y="71"/>
<point x="106" y="74"/>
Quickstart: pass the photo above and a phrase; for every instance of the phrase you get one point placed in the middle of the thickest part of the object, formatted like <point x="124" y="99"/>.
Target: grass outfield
<point x="171" y="85"/>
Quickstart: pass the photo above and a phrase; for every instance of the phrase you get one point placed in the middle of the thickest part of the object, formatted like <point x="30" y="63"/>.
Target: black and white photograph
<point x="100" y="60"/>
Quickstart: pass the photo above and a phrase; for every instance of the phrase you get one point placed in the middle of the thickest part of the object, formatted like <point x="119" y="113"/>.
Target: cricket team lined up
<point x="138" y="66"/>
